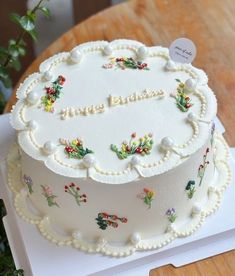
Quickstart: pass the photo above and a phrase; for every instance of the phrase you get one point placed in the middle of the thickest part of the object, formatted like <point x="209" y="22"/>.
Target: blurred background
<point x="64" y="15"/>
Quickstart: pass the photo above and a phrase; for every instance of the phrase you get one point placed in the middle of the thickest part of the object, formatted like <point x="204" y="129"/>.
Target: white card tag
<point x="182" y="50"/>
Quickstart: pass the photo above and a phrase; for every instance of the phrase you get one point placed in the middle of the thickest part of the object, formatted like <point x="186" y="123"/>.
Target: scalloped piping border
<point x="102" y="246"/>
<point x="118" y="44"/>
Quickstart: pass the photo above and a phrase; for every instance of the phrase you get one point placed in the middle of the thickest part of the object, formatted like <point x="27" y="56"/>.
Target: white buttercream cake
<point x="117" y="148"/>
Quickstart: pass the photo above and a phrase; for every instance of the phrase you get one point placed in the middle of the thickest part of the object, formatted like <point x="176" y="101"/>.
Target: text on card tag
<point x="182" y="50"/>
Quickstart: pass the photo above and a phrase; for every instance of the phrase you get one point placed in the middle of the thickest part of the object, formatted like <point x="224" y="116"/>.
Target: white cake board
<point x="38" y="257"/>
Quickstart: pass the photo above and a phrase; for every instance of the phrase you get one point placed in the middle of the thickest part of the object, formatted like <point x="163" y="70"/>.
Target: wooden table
<point x="211" y="25"/>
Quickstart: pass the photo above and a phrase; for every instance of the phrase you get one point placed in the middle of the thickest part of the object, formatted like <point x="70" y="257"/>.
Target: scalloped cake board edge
<point x="28" y="241"/>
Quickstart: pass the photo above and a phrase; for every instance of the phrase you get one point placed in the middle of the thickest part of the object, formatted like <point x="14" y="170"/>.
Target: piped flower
<point x="203" y="166"/>
<point x="190" y="188"/>
<point x="28" y="182"/>
<point x="104" y="220"/>
<point x="171" y="214"/>
<point x="74" y="190"/>
<point x="52" y="94"/>
<point x="50" y="197"/>
<point x="147" y="196"/>
<point x="75" y="148"/>
<point x="125" y="63"/>
<point x="183" y="101"/>
<point x="142" y="146"/>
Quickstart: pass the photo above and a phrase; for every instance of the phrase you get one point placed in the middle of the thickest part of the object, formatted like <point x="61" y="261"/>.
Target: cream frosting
<point x="191" y="213"/>
<point x="87" y="91"/>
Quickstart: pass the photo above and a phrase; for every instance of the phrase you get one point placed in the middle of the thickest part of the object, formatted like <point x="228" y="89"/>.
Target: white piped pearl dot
<point x="89" y="160"/>
<point x="75" y="55"/>
<point x="192" y="117"/>
<point x="76" y="235"/>
<point x="196" y="209"/>
<point x="142" y="52"/>
<point x="190" y="84"/>
<point x="49" y="148"/>
<point x="167" y="143"/>
<point x="135" y="160"/>
<point x="47" y="75"/>
<point x="108" y="50"/>
<point x="32" y="125"/>
<point x="170" y="65"/>
<point x="135" y="238"/>
<point x="32" y="98"/>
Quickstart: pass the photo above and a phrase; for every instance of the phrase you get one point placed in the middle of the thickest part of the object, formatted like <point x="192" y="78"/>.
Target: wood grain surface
<point x="211" y="25"/>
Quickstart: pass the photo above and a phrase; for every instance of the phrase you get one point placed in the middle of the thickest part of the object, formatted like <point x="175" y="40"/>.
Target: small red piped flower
<point x="133" y="135"/>
<point x="61" y="80"/>
<point x="146" y="190"/>
<point x="69" y="149"/>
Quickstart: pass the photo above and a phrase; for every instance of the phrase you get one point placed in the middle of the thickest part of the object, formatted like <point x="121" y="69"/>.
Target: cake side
<point x="119" y="219"/>
<point x="77" y="207"/>
<point x="156" y="115"/>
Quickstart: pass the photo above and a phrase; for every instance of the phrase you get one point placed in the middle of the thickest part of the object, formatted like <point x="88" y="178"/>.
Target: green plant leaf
<point x="15" y="64"/>
<point x="13" y="50"/>
<point x="22" y="50"/>
<point x="33" y="34"/>
<point x="14" y="17"/>
<point x="3" y="54"/>
<point x="12" y="42"/>
<point x="45" y="11"/>
<point x="31" y="15"/>
<point x="3" y="72"/>
<point x="6" y="81"/>
<point x="27" y="23"/>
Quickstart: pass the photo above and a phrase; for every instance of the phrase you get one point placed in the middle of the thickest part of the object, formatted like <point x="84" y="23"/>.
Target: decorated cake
<point x="116" y="148"/>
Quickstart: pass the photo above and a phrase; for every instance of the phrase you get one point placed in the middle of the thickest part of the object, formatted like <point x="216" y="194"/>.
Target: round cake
<point x="117" y="148"/>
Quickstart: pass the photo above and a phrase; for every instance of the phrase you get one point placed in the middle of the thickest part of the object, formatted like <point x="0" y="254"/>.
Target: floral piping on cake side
<point x="52" y="94"/>
<point x="147" y="196"/>
<point x="171" y="215"/>
<point x="125" y="63"/>
<point x="203" y="166"/>
<point x="183" y="101"/>
<point x="104" y="220"/>
<point x="74" y="190"/>
<point x="74" y="148"/>
<point x="28" y="182"/>
<point x="141" y="146"/>
<point x="47" y="193"/>
<point x="190" y="189"/>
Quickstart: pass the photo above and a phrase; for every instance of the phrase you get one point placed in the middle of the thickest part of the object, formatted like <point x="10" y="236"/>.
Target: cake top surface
<point x="113" y="112"/>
